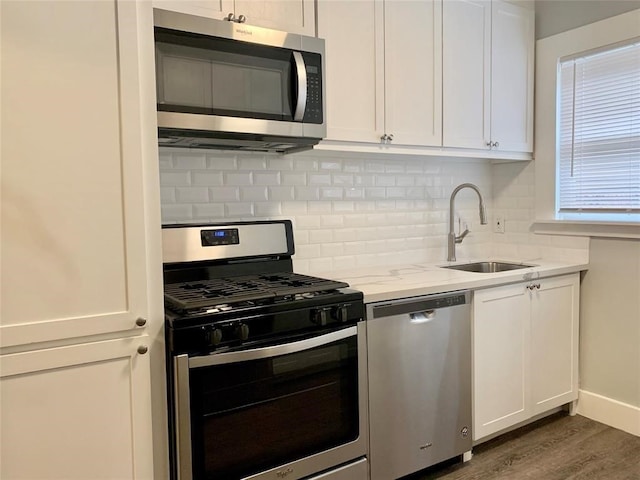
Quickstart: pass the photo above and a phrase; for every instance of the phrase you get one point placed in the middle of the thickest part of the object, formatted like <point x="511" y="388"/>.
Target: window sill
<point x="587" y="229"/>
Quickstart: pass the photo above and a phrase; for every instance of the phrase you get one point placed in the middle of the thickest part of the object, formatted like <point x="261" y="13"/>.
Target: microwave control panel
<point x="313" y="112"/>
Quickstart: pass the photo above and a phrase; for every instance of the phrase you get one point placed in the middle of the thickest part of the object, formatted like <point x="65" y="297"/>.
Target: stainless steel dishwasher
<point x="419" y="354"/>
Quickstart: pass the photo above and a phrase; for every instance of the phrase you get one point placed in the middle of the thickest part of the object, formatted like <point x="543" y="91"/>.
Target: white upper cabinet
<point x="74" y="201"/>
<point x="383" y="63"/>
<point x="413" y="72"/>
<point x="354" y="68"/>
<point x="488" y="62"/>
<point x="294" y="16"/>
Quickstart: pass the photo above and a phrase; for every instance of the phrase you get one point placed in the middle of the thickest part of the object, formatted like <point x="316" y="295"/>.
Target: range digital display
<point x="217" y="237"/>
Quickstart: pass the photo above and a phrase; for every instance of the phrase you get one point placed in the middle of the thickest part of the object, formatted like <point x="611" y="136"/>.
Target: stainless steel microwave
<point x="228" y="85"/>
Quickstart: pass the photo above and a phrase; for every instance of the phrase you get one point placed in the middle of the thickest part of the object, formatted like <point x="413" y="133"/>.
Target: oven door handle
<point x="274" y="351"/>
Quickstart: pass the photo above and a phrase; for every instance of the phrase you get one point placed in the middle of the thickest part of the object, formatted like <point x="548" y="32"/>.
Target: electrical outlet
<point x="498" y="224"/>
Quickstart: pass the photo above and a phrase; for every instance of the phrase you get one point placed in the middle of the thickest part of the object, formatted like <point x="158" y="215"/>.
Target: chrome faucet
<point x="453" y="239"/>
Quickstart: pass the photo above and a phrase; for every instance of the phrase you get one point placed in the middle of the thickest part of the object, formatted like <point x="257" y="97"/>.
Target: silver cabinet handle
<point x="141" y="322"/>
<point x="301" y="74"/>
<point x="142" y="349"/>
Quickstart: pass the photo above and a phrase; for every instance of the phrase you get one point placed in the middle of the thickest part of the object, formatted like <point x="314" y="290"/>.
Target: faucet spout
<point x="452" y="238"/>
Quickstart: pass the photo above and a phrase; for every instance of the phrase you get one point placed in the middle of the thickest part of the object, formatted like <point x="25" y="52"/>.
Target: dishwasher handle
<point x="422" y="317"/>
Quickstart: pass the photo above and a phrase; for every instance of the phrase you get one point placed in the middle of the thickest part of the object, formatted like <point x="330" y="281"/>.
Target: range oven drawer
<point x="354" y="471"/>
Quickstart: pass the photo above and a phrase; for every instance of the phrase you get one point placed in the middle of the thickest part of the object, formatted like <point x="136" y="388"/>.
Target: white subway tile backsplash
<point x="277" y="163"/>
<point x="268" y="209"/>
<point x="192" y="194"/>
<point x="189" y="160"/>
<point x="331" y="193"/>
<point x="281" y="193"/>
<point x="294" y="178"/>
<point x="319" y="179"/>
<point x="305" y="164"/>
<point x="209" y="211"/>
<point x="224" y="194"/>
<point x="359" y="211"/>
<point x="207" y="177"/>
<point x="175" y="178"/>
<point x="238" y="178"/>
<point x="253" y="194"/>
<point x="252" y="163"/>
<point x="319" y="207"/>
<point x="266" y="178"/>
<point x="238" y="210"/>
<point x="167" y="195"/>
<point x="221" y="162"/>
<point x="307" y="193"/>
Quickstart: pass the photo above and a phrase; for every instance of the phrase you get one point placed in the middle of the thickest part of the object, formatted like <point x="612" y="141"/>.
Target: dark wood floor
<point x="558" y="447"/>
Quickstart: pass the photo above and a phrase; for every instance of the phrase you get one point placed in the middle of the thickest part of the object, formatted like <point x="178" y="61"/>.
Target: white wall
<point x="610" y="307"/>
<point x="556" y="16"/>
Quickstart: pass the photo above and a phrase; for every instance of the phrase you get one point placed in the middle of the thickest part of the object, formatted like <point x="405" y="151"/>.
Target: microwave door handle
<point x="301" y="76"/>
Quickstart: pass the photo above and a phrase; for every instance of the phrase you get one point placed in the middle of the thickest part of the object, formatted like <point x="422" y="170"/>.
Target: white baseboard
<point x="610" y="412"/>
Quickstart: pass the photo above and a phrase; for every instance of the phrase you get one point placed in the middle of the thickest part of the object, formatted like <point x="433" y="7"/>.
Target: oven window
<point x="255" y="415"/>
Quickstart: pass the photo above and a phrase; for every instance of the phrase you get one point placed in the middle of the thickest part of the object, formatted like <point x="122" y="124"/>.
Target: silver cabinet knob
<point x="241" y="19"/>
<point x="390" y="137"/>
<point x="142" y="349"/>
<point x="230" y="18"/>
<point x="489" y="144"/>
<point x="383" y="138"/>
<point x="496" y="144"/>
<point x="141" y="322"/>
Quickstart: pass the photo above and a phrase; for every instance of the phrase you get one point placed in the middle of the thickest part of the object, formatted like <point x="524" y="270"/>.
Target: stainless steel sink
<point x="489" y="267"/>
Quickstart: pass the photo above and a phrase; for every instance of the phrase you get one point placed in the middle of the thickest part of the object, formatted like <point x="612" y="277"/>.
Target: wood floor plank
<point x="559" y="447"/>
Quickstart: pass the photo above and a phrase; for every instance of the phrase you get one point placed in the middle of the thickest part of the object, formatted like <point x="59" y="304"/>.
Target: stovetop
<point x="220" y="294"/>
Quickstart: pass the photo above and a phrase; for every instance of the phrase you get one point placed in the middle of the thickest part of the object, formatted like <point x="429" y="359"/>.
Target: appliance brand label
<point x="243" y="31"/>
<point x="284" y="473"/>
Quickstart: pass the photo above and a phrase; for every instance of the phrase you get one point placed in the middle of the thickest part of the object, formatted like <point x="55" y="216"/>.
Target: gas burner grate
<point x="206" y="293"/>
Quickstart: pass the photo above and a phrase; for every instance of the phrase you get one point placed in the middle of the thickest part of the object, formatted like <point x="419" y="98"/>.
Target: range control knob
<point x="341" y="313"/>
<point x="213" y="336"/>
<point x="242" y="331"/>
<point x="320" y="316"/>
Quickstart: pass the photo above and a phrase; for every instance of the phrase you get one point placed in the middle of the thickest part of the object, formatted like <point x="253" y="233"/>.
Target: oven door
<point x="287" y="410"/>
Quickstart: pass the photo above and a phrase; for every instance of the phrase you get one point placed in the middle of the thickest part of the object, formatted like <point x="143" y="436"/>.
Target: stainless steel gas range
<point x="266" y="368"/>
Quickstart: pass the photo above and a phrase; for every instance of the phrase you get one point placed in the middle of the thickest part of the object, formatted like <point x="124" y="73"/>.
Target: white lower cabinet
<point x="77" y="412"/>
<point x="525" y="351"/>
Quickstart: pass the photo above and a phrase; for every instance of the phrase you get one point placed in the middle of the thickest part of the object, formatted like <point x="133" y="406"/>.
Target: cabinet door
<point x="413" y="71"/>
<point x="512" y="76"/>
<point x="217" y="9"/>
<point x="554" y="342"/>
<point x="77" y="412"/>
<point x="75" y="197"/>
<point x="294" y="16"/>
<point x="353" y="32"/>
<point x="501" y="358"/>
<point x="466" y="76"/>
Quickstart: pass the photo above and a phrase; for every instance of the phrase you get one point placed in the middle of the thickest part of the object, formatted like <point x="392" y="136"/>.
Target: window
<point x="598" y="150"/>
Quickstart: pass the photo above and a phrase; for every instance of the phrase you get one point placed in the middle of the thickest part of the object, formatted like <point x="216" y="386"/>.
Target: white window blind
<point x="599" y="132"/>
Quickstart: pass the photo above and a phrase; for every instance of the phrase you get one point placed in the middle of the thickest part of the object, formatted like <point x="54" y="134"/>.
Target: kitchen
<point x="70" y="221"/>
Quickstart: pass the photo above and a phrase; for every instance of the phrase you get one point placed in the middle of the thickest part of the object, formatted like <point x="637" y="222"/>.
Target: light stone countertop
<point x="392" y="282"/>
